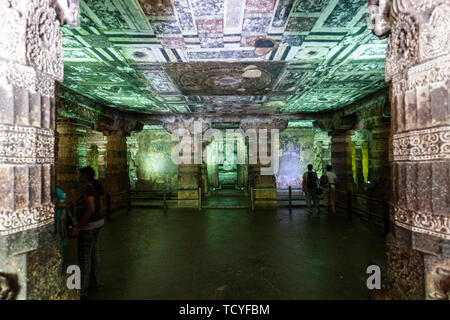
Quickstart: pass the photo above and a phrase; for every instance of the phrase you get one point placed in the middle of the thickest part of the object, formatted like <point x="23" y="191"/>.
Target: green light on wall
<point x="93" y="158"/>
<point x="365" y="160"/>
<point x="300" y="123"/>
<point x="354" y="163"/>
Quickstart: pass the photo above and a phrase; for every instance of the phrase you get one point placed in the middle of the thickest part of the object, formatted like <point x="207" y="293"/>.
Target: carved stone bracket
<point x="171" y="124"/>
<point x="338" y="122"/>
<point x="419" y="31"/>
<point x="279" y="124"/>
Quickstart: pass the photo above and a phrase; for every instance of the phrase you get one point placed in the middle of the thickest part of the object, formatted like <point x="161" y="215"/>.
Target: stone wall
<point x="150" y="160"/>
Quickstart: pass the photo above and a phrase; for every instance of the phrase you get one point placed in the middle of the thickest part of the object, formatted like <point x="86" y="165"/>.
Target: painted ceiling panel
<point x="265" y="56"/>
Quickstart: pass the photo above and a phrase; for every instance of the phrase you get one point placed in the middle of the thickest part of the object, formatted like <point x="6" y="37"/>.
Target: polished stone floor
<point x="234" y="254"/>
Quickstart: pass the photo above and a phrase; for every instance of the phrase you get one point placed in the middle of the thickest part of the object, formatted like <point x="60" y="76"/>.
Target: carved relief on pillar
<point x="421" y="145"/>
<point x="403" y="46"/>
<point x="434" y="37"/>
<point x="422" y="221"/>
<point x="26" y="145"/>
<point x="31" y="45"/>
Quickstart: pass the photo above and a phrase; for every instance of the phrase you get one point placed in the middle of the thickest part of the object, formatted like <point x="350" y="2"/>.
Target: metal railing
<point x="372" y="210"/>
<point x="165" y="193"/>
<point x="289" y="199"/>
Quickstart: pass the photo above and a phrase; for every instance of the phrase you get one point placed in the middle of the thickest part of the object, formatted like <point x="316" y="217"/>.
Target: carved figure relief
<point x="438" y="280"/>
<point x="403" y="46"/>
<point x="434" y="35"/>
<point x="44" y="49"/>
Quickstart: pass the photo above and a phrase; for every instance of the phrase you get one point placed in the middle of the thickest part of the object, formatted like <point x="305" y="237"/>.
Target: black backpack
<point x="311" y="181"/>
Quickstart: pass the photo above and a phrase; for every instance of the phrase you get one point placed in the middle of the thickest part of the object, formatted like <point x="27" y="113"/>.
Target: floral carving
<point x="26" y="145"/>
<point x="25" y="219"/>
<point x="419" y="145"/>
<point x="422" y="222"/>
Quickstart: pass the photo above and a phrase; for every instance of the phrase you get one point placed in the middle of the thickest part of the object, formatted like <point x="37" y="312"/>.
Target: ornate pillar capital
<point x="191" y="124"/>
<point x="337" y="122"/>
<point x="418" y="32"/>
<point x="268" y="124"/>
<point x="31" y="49"/>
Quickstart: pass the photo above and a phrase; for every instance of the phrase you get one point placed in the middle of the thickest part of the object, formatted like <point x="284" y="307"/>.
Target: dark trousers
<point x="310" y="194"/>
<point x="88" y="259"/>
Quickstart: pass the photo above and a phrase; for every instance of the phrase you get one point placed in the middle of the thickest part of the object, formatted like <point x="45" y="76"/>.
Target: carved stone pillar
<point x="242" y="171"/>
<point x="189" y="180"/>
<point x="190" y="170"/>
<point x="418" y="65"/>
<point x="204" y="172"/>
<point x="341" y="160"/>
<point x="71" y="156"/>
<point x="326" y="154"/>
<point x="379" y="173"/>
<point x="117" y="178"/>
<point x="96" y="143"/>
<point x="256" y="177"/>
<point x="30" y="62"/>
<point x="212" y="166"/>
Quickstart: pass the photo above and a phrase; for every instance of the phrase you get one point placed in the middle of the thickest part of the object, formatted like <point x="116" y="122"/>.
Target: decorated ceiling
<point x="223" y="56"/>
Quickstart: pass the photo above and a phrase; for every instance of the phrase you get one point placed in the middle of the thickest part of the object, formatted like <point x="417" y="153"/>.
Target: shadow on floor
<point x="234" y="254"/>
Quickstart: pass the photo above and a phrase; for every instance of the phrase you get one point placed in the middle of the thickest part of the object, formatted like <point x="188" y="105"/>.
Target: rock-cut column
<point x="117" y="177"/>
<point x="71" y="156"/>
<point x="341" y="161"/>
<point x="418" y="66"/>
<point x="264" y="183"/>
<point x="30" y="62"/>
<point x="189" y="133"/>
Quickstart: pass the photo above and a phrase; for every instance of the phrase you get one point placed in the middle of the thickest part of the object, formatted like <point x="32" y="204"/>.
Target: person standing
<point x="309" y="185"/>
<point x="89" y="222"/>
<point x="328" y="182"/>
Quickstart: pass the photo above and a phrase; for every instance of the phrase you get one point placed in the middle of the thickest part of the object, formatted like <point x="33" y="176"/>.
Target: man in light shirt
<point x="329" y="190"/>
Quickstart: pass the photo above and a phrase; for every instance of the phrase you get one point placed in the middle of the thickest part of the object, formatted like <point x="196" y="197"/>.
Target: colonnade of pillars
<point x="75" y="140"/>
